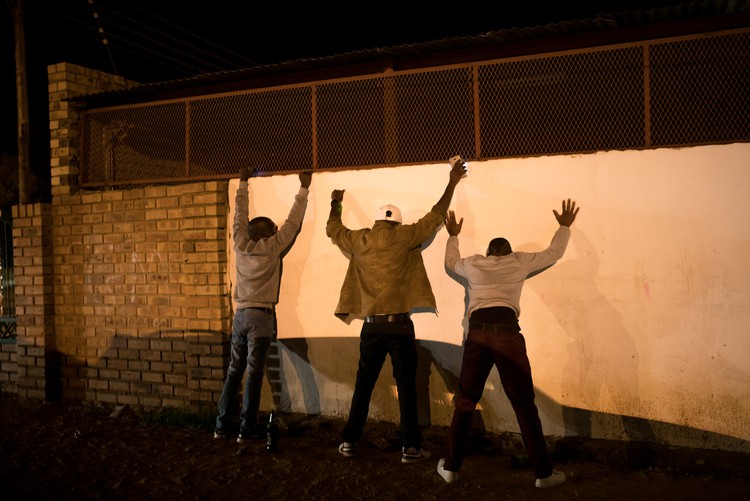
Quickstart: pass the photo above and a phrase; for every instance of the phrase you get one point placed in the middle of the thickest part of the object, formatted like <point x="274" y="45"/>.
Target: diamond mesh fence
<point x="668" y="93"/>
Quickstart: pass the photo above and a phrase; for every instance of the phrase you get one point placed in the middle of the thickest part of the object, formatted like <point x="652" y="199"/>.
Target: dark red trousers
<point x="498" y="343"/>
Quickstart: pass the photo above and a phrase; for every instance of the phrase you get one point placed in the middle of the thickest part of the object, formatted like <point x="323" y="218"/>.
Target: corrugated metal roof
<point x="601" y="25"/>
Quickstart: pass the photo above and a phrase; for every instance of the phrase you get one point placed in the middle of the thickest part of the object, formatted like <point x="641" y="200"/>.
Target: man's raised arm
<point x="457" y="173"/>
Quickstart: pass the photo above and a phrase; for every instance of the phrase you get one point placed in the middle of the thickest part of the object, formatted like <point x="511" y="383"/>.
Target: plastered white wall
<point x="645" y="318"/>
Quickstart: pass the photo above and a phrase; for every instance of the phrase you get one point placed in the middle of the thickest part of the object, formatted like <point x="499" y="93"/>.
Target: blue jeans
<point x="503" y="346"/>
<point x="253" y="331"/>
<point x="376" y="341"/>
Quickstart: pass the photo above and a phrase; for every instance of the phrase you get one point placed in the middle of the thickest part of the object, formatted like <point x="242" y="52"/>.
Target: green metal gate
<point x="7" y="283"/>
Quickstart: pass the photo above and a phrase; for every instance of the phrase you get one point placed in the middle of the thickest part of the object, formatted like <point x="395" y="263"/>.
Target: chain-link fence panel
<point x="130" y="144"/>
<point x="351" y="123"/>
<point x="270" y="130"/>
<point x="700" y="90"/>
<point x="434" y="116"/>
<point x="579" y="102"/>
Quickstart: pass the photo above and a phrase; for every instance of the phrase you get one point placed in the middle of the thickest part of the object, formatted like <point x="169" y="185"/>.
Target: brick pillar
<point x="65" y="82"/>
<point x="32" y="255"/>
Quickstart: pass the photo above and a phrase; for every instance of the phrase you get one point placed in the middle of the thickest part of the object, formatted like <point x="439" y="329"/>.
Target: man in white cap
<point x="385" y="281"/>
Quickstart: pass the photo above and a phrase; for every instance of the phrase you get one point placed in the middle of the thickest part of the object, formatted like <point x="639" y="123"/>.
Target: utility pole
<point x="24" y="177"/>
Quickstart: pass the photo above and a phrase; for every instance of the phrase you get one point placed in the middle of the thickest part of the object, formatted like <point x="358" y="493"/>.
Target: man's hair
<point x="260" y="225"/>
<point x="499" y="247"/>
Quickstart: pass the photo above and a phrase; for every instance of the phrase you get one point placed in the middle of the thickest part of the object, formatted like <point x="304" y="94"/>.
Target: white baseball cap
<point x="388" y="213"/>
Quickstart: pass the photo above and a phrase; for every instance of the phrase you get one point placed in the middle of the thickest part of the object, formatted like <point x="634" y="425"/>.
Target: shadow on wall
<point x="168" y="364"/>
<point x="445" y="359"/>
<point x="122" y="370"/>
<point x="297" y="351"/>
<point x="602" y="353"/>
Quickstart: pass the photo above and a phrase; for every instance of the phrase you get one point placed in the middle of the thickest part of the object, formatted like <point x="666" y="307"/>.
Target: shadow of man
<point x="602" y="354"/>
<point x="296" y="350"/>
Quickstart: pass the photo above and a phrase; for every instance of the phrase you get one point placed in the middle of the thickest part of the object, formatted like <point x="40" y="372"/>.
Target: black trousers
<point x="376" y="341"/>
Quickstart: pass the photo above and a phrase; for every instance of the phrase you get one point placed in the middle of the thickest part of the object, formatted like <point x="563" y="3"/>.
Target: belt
<point x="269" y="311"/>
<point x="382" y="319"/>
<point x="494" y="327"/>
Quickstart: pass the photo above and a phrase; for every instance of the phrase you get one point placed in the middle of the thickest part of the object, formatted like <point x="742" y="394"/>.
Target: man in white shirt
<point x="494" y="338"/>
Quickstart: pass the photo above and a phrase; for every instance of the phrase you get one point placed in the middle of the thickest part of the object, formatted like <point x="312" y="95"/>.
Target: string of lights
<point x="105" y="42"/>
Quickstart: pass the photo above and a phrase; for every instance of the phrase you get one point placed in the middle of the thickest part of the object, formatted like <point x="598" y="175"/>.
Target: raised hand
<point x="458" y="172"/>
<point x="337" y="195"/>
<point x="569" y="213"/>
<point x="305" y="178"/>
<point x="453" y="226"/>
<point x="246" y="172"/>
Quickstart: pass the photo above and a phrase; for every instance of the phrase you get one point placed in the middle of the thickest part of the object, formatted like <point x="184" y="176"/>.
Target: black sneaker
<point x="414" y="455"/>
<point x="220" y="434"/>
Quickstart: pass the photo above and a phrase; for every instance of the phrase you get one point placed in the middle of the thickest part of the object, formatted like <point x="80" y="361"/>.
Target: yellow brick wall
<point x="8" y="367"/>
<point x="122" y="295"/>
<point x="34" y="301"/>
<point x="142" y="307"/>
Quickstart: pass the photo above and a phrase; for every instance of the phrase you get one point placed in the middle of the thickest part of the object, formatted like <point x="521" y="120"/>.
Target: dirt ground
<point x="81" y="451"/>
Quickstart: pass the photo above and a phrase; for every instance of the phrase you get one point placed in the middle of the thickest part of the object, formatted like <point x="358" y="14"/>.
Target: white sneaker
<point x="448" y="476"/>
<point x="347" y="449"/>
<point x="553" y="480"/>
<point x="414" y="455"/>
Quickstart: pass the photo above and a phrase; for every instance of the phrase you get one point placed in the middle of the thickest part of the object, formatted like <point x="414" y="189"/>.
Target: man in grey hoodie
<point x="259" y="245"/>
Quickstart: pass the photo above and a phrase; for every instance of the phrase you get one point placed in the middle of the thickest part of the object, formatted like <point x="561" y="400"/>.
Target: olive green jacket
<point x="386" y="273"/>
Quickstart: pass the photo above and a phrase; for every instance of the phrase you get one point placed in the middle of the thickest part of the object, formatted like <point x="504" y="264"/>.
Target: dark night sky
<point x="156" y="40"/>
<point x="152" y="41"/>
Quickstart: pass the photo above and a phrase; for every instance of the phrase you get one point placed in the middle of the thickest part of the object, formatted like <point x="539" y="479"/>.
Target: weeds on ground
<point x="169" y="416"/>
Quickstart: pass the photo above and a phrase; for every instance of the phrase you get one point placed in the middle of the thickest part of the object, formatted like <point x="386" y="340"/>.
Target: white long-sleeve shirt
<point x="498" y="280"/>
